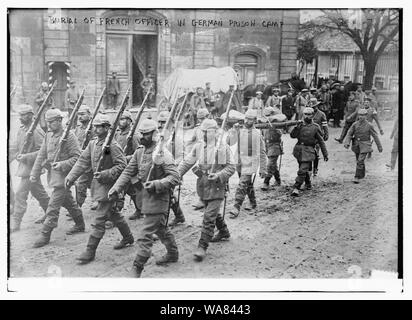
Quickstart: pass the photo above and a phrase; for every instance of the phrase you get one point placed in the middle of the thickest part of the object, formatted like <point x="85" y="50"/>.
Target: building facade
<point x="88" y="45"/>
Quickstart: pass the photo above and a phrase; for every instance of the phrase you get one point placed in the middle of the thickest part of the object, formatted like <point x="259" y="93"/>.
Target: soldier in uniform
<point x="320" y="119"/>
<point x="209" y="96"/>
<point x="197" y="101"/>
<point x="308" y="135"/>
<point x="26" y="162"/>
<point x="372" y="114"/>
<point x="57" y="171"/>
<point x="85" y="179"/>
<point x="288" y="105"/>
<point x="257" y="103"/>
<point x="301" y="102"/>
<point x="351" y="110"/>
<point x="155" y="194"/>
<point x="40" y="97"/>
<point x="324" y="96"/>
<point x="274" y="100"/>
<point x="250" y="156"/>
<point x="360" y="133"/>
<point x="125" y="125"/>
<point x="274" y="148"/>
<point x="175" y="206"/>
<point x="210" y="184"/>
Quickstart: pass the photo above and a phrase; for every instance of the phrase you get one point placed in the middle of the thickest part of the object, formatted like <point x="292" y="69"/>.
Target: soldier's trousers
<point x="22" y="193"/>
<point x="360" y="165"/>
<point x="273" y="170"/>
<point x="316" y="161"/>
<point x="211" y="218"/>
<point x="303" y="173"/>
<point x="106" y="211"/>
<point x="60" y="197"/>
<point x="112" y="100"/>
<point x="244" y="188"/>
<point x="82" y="185"/>
<point x="154" y="224"/>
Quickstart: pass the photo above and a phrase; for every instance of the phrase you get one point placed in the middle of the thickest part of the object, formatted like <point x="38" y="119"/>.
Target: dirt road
<point x="321" y="234"/>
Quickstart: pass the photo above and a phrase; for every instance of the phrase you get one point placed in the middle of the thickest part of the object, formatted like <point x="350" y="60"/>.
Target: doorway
<point x="246" y="67"/>
<point x="59" y="73"/>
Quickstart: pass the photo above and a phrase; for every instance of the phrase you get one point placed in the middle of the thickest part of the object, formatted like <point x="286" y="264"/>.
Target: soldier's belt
<point x="305" y="144"/>
<point x="359" y="139"/>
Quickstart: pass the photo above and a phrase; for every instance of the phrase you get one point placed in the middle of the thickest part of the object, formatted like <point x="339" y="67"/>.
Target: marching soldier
<point x="85" y="179"/>
<point x="26" y="162"/>
<point x="197" y="101"/>
<point x="324" y="96"/>
<point x="360" y="133"/>
<point x="155" y="195"/>
<point x="320" y="119"/>
<point x="40" y="97"/>
<point x="274" y="149"/>
<point x="250" y="156"/>
<point x="125" y="125"/>
<point x="175" y="206"/>
<point x="101" y="184"/>
<point x="288" y="105"/>
<point x="371" y="115"/>
<point x="210" y="185"/>
<point x="60" y="196"/>
<point x="351" y="110"/>
<point x="308" y="135"/>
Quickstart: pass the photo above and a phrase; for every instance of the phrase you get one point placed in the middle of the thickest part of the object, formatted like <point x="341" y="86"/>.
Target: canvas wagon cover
<point x="188" y="79"/>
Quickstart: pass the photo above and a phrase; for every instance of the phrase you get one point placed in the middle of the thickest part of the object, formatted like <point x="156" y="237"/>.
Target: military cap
<point x="202" y="113"/>
<point x="163" y="116"/>
<point x="362" y="111"/>
<point x="313" y="89"/>
<point x="148" y="125"/>
<point x="126" y="114"/>
<point x="25" y="108"/>
<point x="101" y="119"/>
<point x="259" y="92"/>
<point x="268" y="111"/>
<point x="83" y="109"/>
<point x="275" y="89"/>
<point x="208" y="124"/>
<point x="334" y="85"/>
<point x="314" y="102"/>
<point x="53" y="114"/>
<point x="308" y="110"/>
<point x="305" y="90"/>
<point x="251" y="114"/>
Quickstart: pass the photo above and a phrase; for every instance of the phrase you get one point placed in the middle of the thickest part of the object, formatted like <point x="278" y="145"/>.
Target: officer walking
<point x="320" y="119"/>
<point x="155" y="194"/>
<point x="103" y="180"/>
<point x="360" y="133"/>
<point x="308" y="135"/>
<point x="210" y="185"/>
<point x="57" y="171"/>
<point x="26" y="162"/>
<point x="274" y="149"/>
<point x="250" y="156"/>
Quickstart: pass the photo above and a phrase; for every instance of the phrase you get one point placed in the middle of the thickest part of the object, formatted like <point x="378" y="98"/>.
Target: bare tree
<point x="372" y="30"/>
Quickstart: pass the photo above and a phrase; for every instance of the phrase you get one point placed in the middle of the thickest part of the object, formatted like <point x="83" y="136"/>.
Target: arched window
<point x="246" y="65"/>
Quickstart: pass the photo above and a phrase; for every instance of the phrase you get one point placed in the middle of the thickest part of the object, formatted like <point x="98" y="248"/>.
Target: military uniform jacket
<point x="121" y="138"/>
<point x="288" y="105"/>
<point x="257" y="104"/>
<point x="308" y="135"/>
<point x="71" y="97"/>
<point x="250" y="151"/>
<point x="25" y="166"/>
<point x="80" y="133"/>
<point x="274" y="101"/>
<point x="273" y="141"/>
<point x="360" y="133"/>
<point x="320" y="119"/>
<point x="205" y="156"/>
<point x="164" y="175"/>
<point x="325" y="97"/>
<point x="68" y="157"/>
<point x="113" y="86"/>
<point x="113" y="166"/>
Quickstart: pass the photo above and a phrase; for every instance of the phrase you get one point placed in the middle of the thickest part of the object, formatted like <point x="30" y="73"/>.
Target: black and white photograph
<point x="205" y="143"/>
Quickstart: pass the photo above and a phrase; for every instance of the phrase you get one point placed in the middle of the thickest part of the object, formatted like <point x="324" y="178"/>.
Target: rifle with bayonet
<point x="110" y="136"/>
<point x="69" y="125"/>
<point x="128" y="148"/>
<point x="277" y="124"/>
<point x="29" y="134"/>
<point x="88" y="134"/>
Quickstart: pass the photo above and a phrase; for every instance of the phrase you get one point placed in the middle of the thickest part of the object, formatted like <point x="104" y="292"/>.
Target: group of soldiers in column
<point x="149" y="177"/>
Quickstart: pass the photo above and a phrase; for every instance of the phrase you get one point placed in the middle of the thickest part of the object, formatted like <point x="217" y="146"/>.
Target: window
<point x="334" y="61"/>
<point x="379" y="82"/>
<point x="246" y="67"/>
<point x="393" y="84"/>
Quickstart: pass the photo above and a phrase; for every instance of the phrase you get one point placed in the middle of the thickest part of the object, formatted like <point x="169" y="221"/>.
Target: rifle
<point x="277" y="124"/>
<point x="88" y="134"/>
<point x="69" y="124"/>
<point x="129" y="139"/>
<point x="112" y="131"/>
<point x="29" y="134"/>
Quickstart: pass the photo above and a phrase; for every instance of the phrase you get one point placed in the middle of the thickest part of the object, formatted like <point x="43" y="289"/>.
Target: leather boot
<point x="221" y="235"/>
<point x="265" y="186"/>
<point x="234" y="213"/>
<point x="200" y="254"/>
<point x="44" y="237"/>
<point x="78" y="227"/>
<point x="127" y="236"/>
<point x="295" y="192"/>
<point x="168" y="257"/>
<point x="88" y="255"/>
<point x="137" y="270"/>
